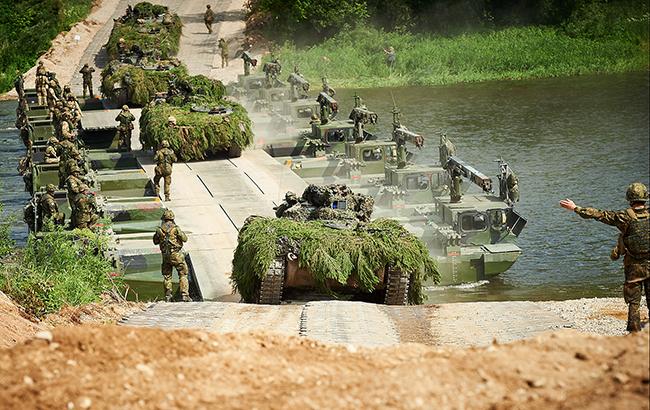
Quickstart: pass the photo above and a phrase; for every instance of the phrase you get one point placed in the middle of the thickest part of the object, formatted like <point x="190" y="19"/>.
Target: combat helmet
<point x="637" y="192"/>
<point x="50" y="188"/>
<point x="125" y="107"/>
<point x="52" y="141"/>
<point x="168" y="215"/>
<point x="164" y="144"/>
<point x="75" y="169"/>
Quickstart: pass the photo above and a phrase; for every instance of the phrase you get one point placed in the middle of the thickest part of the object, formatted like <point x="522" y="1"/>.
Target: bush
<point x="331" y="254"/>
<point x="27" y="29"/>
<point x="6" y="243"/>
<point x="197" y="135"/>
<point x="57" y="269"/>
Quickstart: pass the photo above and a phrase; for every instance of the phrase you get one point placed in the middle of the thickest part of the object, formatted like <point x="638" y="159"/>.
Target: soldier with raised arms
<point x="634" y="225"/>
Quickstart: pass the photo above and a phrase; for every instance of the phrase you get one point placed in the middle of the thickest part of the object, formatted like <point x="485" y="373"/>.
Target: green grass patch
<point x="331" y="253"/>
<point x="57" y="269"/>
<point x="141" y="85"/>
<point x="6" y="243"/>
<point x="356" y="58"/>
<point x="151" y="36"/>
<point x="197" y="135"/>
<point x="27" y="28"/>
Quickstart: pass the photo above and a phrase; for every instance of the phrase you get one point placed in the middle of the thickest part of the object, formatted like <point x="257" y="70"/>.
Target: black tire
<point x="234" y="151"/>
<point x="397" y="287"/>
<point x="272" y="284"/>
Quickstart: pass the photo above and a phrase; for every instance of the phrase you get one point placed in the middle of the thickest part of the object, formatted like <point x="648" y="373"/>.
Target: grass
<point x="58" y="269"/>
<point x="331" y="254"/>
<point x="356" y="58"/>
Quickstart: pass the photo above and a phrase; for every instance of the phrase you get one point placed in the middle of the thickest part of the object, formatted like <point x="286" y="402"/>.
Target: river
<point x="585" y="138"/>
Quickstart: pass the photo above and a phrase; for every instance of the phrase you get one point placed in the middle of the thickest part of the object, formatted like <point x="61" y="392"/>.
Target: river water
<point x="585" y="138"/>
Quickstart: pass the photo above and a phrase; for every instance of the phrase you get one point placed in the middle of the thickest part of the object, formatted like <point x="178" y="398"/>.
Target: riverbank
<point x="356" y="58"/>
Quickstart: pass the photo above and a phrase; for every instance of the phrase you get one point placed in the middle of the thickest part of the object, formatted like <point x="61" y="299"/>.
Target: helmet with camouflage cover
<point x="52" y="141"/>
<point x="50" y="188"/>
<point x="164" y="144"/>
<point x="75" y="169"/>
<point x="168" y="215"/>
<point x="125" y="107"/>
<point x="637" y="192"/>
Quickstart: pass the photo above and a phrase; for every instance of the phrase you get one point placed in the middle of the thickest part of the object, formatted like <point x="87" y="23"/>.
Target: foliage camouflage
<point x="59" y="268"/>
<point x="149" y="36"/>
<point x="144" y="85"/>
<point x="331" y="253"/>
<point x="197" y="135"/>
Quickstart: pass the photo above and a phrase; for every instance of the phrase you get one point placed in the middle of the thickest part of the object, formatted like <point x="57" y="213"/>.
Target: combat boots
<point x="633" y="318"/>
<point x="167" y="198"/>
<point x="168" y="297"/>
<point x="186" y="298"/>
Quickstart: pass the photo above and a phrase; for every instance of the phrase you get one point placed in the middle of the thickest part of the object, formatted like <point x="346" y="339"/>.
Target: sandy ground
<point x="68" y="47"/>
<point x="14" y="325"/>
<point x="120" y="367"/>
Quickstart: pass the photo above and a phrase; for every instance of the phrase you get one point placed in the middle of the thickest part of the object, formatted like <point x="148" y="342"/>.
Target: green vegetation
<point x="439" y="42"/>
<point x="6" y="243"/>
<point x="160" y="38"/>
<point x="141" y="85"/>
<point x="57" y="269"/>
<point x="356" y="58"/>
<point x="197" y="134"/>
<point x="331" y="253"/>
<point x="27" y="28"/>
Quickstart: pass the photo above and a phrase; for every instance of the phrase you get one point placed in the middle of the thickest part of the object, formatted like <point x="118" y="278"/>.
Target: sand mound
<point x="14" y="328"/>
<point x="122" y="367"/>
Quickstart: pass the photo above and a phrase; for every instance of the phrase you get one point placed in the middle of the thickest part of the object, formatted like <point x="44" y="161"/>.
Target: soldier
<point x="87" y="74"/>
<point x="512" y="182"/>
<point x="164" y="160"/>
<point x="66" y="150"/>
<point x="19" y="84"/>
<point x="327" y="89"/>
<point x="208" y="18"/>
<point x="290" y="201"/>
<point x="456" y="181"/>
<point x="27" y="134"/>
<point x="49" y="209"/>
<point x="41" y="83"/>
<point x="223" y="47"/>
<point x="51" y="95"/>
<point x="391" y="57"/>
<point x="634" y="224"/>
<point x="52" y="151"/>
<point x="125" y="118"/>
<point x="122" y="49"/>
<point x="81" y="200"/>
<point x="170" y="238"/>
<point x="446" y="149"/>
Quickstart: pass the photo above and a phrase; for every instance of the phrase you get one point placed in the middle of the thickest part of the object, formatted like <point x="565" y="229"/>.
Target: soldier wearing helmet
<point x="52" y="151"/>
<point x="164" y="159"/>
<point x="49" y="209"/>
<point x="170" y="238"/>
<point x="81" y="200"/>
<point x="125" y="118"/>
<point x="290" y="201"/>
<point x="87" y="75"/>
<point x="634" y="243"/>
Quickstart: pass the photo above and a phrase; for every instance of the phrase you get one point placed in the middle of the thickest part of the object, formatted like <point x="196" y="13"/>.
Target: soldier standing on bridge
<point x="125" y="118"/>
<point x="208" y="18"/>
<point x="223" y="50"/>
<point x="164" y="160"/>
<point x="49" y="209"/>
<point x="634" y="225"/>
<point x="41" y="83"/>
<point x="170" y="238"/>
<point x="87" y="74"/>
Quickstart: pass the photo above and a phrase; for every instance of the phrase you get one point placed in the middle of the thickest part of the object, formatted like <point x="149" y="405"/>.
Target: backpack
<point x="637" y="235"/>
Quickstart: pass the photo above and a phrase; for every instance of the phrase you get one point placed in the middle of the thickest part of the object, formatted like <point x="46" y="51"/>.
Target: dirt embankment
<point x="14" y="325"/>
<point x="120" y="367"/>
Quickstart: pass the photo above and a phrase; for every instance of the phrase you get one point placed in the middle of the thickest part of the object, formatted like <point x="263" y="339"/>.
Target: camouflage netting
<point x="331" y="254"/>
<point x="141" y="85"/>
<point x="148" y="30"/>
<point x="197" y="135"/>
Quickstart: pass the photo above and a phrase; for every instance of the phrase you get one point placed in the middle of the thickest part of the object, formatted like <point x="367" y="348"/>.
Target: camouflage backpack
<point x="637" y="235"/>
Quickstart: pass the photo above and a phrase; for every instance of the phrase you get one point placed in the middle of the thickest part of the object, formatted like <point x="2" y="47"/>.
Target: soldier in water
<point x="208" y="18"/>
<point x="125" y="118"/>
<point x="87" y="74"/>
<point x="634" y="225"/>
<point x="164" y="160"/>
<point x="170" y="238"/>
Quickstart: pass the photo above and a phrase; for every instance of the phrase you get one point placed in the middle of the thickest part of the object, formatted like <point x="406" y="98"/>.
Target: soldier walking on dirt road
<point x="208" y="18"/>
<point x="164" y="160"/>
<point x="223" y="50"/>
<point x="170" y="238"/>
<point x="87" y="74"/>
<point x="634" y="224"/>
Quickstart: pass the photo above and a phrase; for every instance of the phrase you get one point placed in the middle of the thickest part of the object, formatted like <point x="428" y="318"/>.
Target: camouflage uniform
<point x="41" y="83"/>
<point x="125" y="118"/>
<point x="208" y="18"/>
<point x="66" y="151"/>
<point x="512" y="183"/>
<point x="223" y="47"/>
<point x="634" y="224"/>
<point x="170" y="238"/>
<point x="49" y="209"/>
<point x="81" y="201"/>
<point x="87" y="74"/>
<point x="27" y="135"/>
<point x="455" y="184"/>
<point x="52" y="151"/>
<point x="164" y="160"/>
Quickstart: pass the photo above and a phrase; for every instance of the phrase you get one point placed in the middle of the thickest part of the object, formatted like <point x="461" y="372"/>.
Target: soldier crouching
<point x="170" y="238"/>
<point x="634" y="243"/>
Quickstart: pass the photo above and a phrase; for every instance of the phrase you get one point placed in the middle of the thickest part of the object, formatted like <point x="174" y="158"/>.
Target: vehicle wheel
<point x="272" y="284"/>
<point x="397" y="287"/>
<point x="234" y="151"/>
